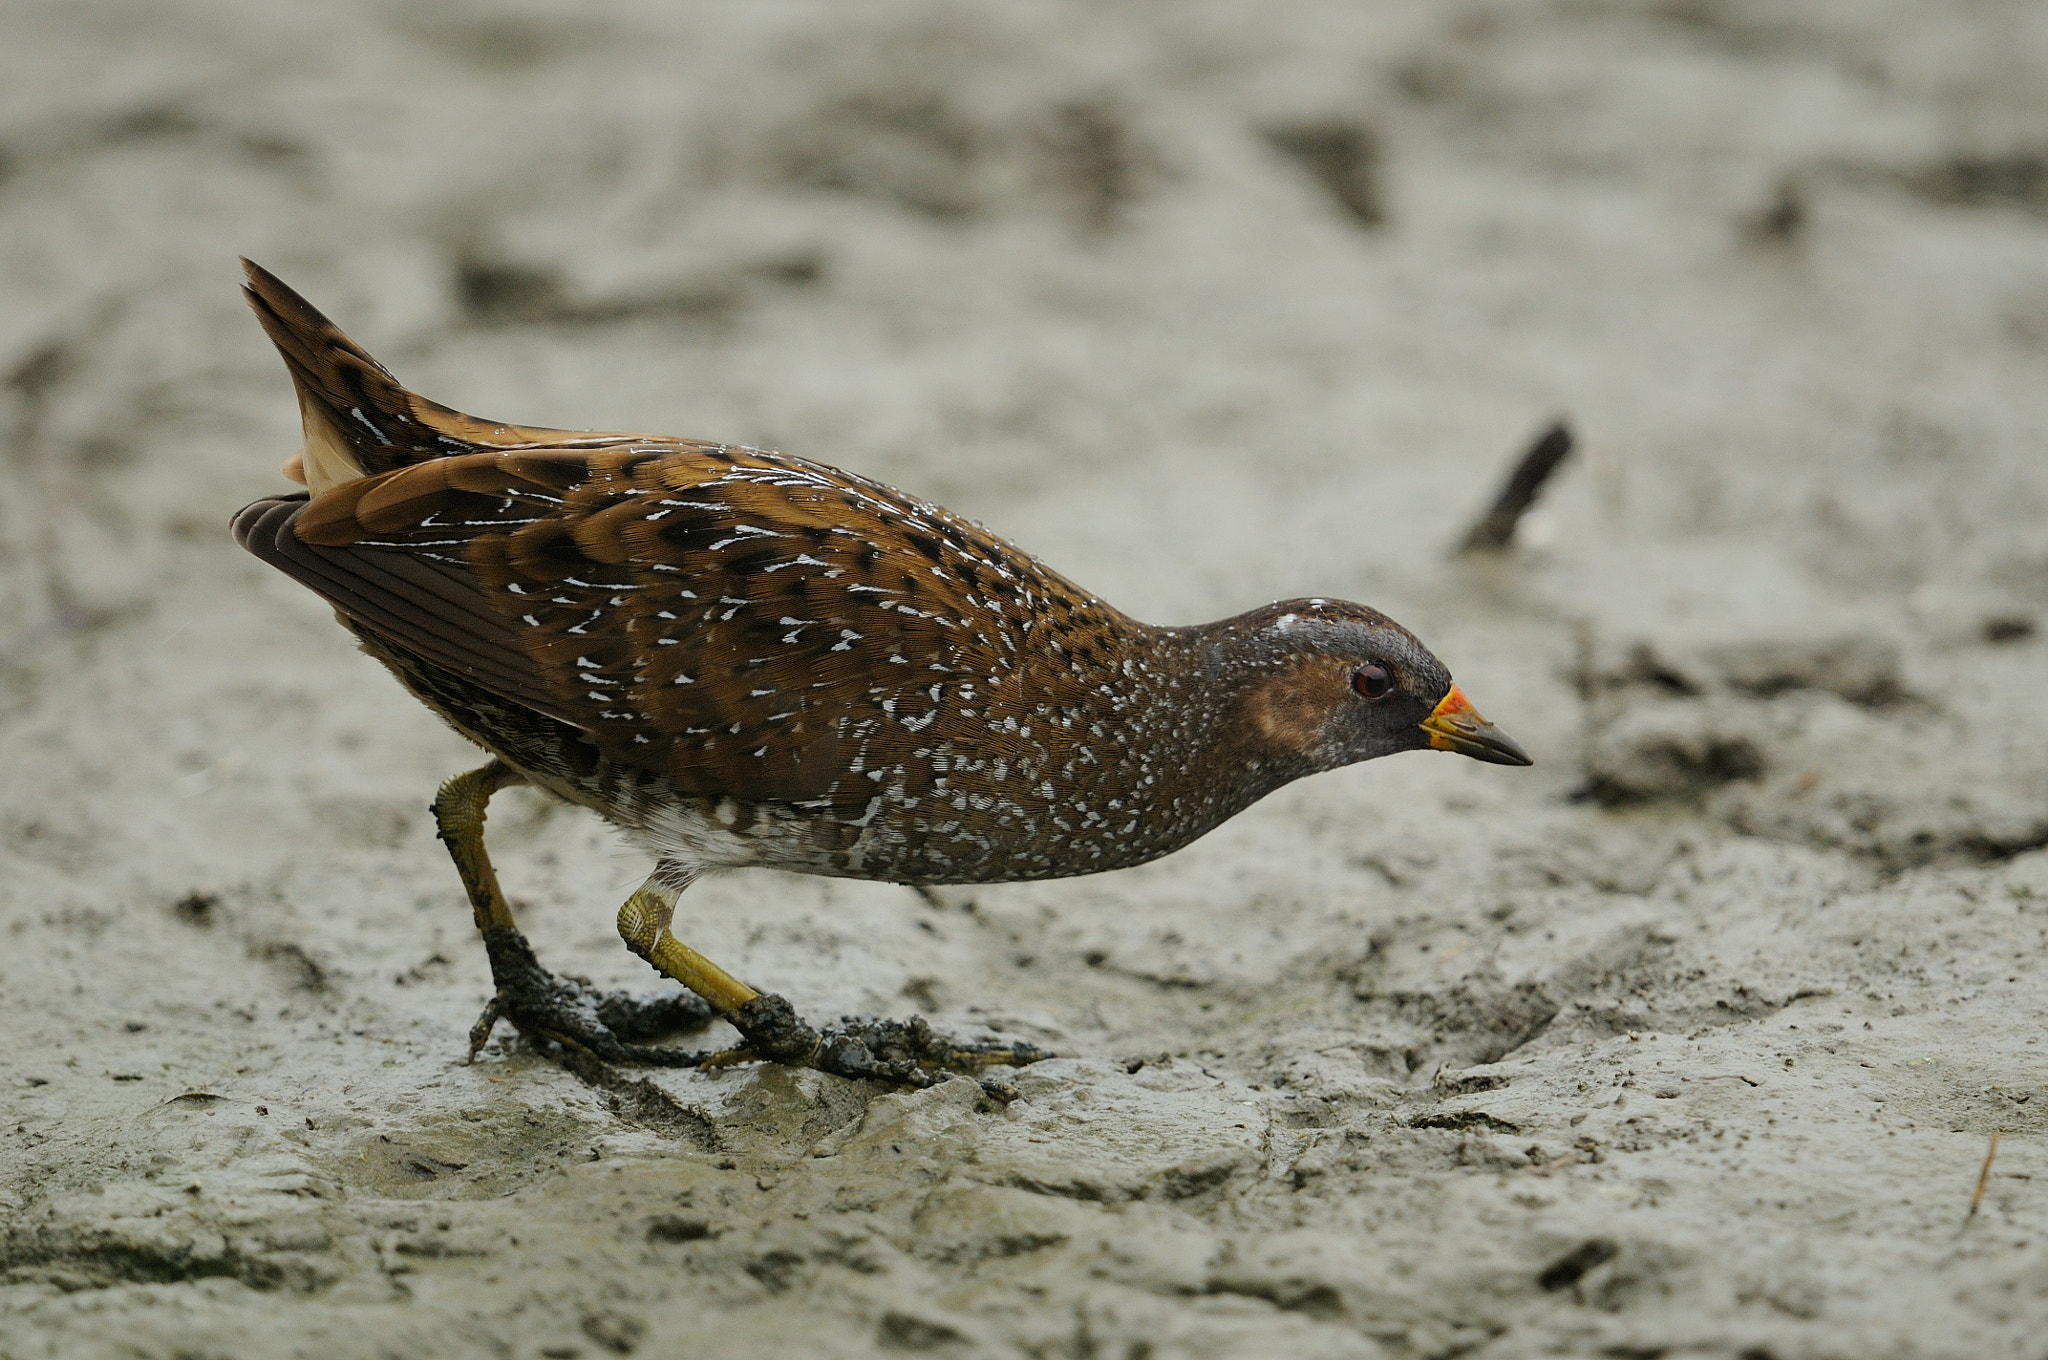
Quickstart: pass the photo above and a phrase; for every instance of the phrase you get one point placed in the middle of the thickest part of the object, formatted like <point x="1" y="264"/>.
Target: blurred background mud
<point x="1688" y="1042"/>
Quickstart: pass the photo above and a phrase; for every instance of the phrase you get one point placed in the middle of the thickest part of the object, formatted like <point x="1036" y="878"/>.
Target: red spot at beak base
<point x="1454" y="725"/>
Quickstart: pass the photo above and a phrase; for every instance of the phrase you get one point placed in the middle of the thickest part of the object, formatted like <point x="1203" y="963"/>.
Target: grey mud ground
<point x="1688" y="1042"/>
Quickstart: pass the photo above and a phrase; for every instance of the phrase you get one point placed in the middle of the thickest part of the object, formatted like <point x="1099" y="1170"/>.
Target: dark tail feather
<point x="358" y="401"/>
<point x="377" y="424"/>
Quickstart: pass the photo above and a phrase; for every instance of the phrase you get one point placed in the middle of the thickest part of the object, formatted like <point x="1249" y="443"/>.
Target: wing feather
<point x="751" y="625"/>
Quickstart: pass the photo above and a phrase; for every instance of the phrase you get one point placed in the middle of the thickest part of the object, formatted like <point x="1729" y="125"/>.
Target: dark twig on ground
<point x="1496" y="529"/>
<point x="1983" y="1179"/>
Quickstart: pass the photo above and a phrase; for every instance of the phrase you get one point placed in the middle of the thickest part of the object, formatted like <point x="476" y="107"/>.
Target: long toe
<point x="902" y="1052"/>
<point x="653" y="1015"/>
<point x="913" y="1053"/>
<point x="550" y="1009"/>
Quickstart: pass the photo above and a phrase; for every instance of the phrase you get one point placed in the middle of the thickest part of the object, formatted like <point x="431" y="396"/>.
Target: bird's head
<point x="1327" y="683"/>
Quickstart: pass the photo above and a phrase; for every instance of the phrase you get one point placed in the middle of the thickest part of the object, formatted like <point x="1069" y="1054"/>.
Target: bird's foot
<point x="548" y="1008"/>
<point x="569" y="1011"/>
<point x="903" y="1052"/>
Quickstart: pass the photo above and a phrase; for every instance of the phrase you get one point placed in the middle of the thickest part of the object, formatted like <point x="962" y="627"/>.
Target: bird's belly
<point x="926" y="842"/>
<point x="989" y="839"/>
<point x="723" y="833"/>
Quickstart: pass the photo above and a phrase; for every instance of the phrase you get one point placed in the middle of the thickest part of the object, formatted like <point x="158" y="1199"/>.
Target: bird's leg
<point x="459" y="822"/>
<point x="541" y="1005"/>
<point x="570" y="1012"/>
<point x="644" y="926"/>
<point x="905" y="1051"/>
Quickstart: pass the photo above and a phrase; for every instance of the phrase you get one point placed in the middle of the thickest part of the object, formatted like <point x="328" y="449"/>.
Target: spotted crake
<point x="739" y="657"/>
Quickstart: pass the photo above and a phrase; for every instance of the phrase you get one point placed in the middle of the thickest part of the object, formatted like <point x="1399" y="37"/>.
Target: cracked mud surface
<point x="1688" y="1042"/>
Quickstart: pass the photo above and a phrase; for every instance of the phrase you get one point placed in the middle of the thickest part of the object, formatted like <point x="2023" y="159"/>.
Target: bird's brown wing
<point x="752" y="625"/>
<point x="442" y="616"/>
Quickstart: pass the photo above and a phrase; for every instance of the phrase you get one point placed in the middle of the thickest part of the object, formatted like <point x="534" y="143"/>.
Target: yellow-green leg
<point x="459" y="819"/>
<point x="570" y="1012"/>
<point x="644" y="926"/>
<point x="905" y="1051"/>
<point x="541" y="1005"/>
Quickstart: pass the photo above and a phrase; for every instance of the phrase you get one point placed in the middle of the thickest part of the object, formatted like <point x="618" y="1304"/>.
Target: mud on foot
<point x="570" y="1012"/>
<point x="903" y="1052"/>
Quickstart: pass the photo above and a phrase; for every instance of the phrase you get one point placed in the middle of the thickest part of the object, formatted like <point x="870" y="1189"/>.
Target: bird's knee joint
<point x="640" y="925"/>
<point x="461" y="803"/>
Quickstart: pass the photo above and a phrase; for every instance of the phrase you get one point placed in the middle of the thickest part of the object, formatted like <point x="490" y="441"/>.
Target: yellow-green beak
<point x="1456" y="726"/>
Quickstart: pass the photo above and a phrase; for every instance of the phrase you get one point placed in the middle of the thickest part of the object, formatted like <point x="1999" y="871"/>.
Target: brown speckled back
<point x="745" y="657"/>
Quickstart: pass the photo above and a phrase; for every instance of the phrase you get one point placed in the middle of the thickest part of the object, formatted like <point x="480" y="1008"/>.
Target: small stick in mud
<point x="1496" y="528"/>
<point x="1983" y="1179"/>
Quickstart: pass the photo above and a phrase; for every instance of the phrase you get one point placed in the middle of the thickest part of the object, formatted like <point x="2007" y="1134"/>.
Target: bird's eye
<point x="1373" y="682"/>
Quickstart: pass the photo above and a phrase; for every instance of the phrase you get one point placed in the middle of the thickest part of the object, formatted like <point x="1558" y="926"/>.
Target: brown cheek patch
<point x="1288" y="711"/>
